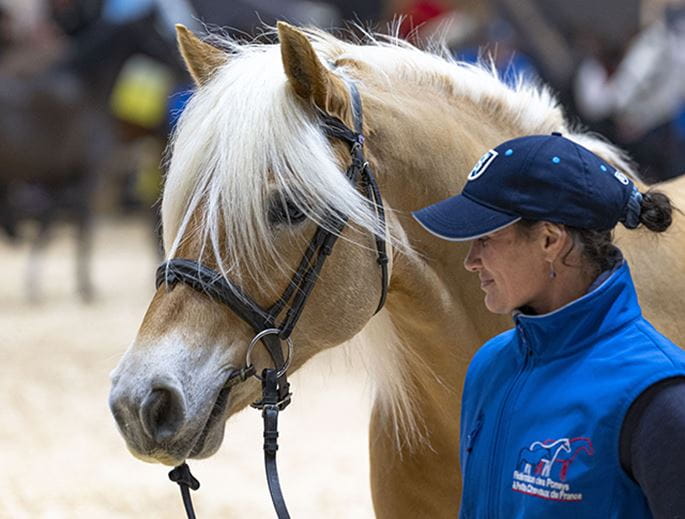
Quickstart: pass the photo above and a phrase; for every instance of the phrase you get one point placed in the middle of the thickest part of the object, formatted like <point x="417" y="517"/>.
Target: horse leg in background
<point x="8" y="218"/>
<point x="84" y="249"/>
<point x="38" y="243"/>
<point x="83" y="220"/>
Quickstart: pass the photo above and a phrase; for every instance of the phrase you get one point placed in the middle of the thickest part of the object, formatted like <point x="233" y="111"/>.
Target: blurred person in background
<point x="540" y="39"/>
<point x="58" y="145"/>
<point x="132" y="43"/>
<point x="74" y="17"/>
<point x="419" y="18"/>
<point x="642" y="97"/>
<point x="497" y="43"/>
<point x="102" y="28"/>
<point x="245" y="18"/>
<point x="29" y="42"/>
<point x="454" y="23"/>
<point x="5" y="29"/>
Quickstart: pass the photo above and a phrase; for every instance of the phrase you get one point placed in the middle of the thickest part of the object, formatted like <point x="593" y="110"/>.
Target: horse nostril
<point x="119" y="407"/>
<point x="162" y="413"/>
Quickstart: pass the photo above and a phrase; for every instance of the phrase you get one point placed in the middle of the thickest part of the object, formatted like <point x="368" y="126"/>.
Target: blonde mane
<point x="246" y="138"/>
<point x="243" y="141"/>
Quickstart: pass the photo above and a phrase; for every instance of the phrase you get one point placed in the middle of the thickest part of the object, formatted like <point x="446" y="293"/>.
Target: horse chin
<point x="209" y="445"/>
<point x="159" y="456"/>
<point x="209" y="440"/>
<point x="206" y="445"/>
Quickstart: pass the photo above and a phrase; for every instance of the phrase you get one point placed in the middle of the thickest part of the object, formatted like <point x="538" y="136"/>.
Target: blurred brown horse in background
<point x="58" y="138"/>
<point x="54" y="136"/>
<point x="250" y="145"/>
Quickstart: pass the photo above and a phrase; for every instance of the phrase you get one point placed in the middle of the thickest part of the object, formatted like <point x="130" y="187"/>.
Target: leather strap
<point x="187" y="482"/>
<point x="215" y="286"/>
<point x="270" y="410"/>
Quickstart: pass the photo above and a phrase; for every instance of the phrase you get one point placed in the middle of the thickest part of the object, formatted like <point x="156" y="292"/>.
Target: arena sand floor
<point x="60" y="453"/>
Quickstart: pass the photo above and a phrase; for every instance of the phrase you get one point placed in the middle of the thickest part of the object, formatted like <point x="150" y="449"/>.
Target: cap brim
<point x="459" y="218"/>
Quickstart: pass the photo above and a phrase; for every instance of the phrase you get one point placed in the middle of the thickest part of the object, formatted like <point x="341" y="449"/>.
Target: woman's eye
<point x="483" y="241"/>
<point x="284" y="211"/>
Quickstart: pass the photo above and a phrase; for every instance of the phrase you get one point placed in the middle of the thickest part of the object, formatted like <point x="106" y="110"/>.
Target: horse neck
<point x="436" y="305"/>
<point x="436" y="308"/>
<point x="417" y="168"/>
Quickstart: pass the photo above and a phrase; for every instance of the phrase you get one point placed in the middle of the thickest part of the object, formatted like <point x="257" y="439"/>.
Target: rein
<point x="275" y="387"/>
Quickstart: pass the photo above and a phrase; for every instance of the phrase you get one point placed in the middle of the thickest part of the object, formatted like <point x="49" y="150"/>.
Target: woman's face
<point x="513" y="269"/>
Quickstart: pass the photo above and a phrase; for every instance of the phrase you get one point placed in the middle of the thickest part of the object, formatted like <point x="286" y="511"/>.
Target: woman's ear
<point x="554" y="239"/>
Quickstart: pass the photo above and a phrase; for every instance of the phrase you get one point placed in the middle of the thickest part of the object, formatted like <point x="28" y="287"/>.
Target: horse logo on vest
<point x="482" y="164"/>
<point x="543" y="468"/>
<point x="540" y="456"/>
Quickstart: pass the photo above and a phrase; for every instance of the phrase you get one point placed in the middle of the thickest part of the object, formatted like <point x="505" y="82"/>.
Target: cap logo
<point x="621" y="178"/>
<point x="482" y="164"/>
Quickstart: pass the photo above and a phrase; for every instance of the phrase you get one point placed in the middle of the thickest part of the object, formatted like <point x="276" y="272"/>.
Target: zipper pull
<point x="471" y="437"/>
<point x="527" y="350"/>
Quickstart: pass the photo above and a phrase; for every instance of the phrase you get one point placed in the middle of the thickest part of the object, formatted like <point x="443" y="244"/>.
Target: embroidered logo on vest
<point x="542" y="469"/>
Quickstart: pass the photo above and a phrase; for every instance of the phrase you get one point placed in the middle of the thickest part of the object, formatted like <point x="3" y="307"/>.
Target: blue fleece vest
<point x="544" y="403"/>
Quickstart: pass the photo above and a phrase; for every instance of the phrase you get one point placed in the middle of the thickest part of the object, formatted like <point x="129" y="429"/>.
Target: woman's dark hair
<point x="656" y="211"/>
<point x="656" y="214"/>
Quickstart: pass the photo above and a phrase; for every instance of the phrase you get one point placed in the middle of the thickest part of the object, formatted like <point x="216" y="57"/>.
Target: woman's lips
<point x="486" y="282"/>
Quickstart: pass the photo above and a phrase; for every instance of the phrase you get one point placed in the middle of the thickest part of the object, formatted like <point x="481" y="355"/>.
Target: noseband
<point x="275" y="387"/>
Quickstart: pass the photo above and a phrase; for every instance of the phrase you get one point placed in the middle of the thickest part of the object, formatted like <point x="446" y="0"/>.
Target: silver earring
<point x="552" y="273"/>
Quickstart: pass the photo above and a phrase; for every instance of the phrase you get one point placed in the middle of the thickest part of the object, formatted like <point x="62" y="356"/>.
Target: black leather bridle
<point x="275" y="387"/>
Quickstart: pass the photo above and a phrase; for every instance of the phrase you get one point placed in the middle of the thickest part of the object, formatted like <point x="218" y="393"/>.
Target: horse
<point x="54" y="138"/>
<point x="59" y="138"/>
<point x="250" y="144"/>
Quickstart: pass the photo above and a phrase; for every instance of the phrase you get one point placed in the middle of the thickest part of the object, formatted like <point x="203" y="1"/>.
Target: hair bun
<point x="657" y="211"/>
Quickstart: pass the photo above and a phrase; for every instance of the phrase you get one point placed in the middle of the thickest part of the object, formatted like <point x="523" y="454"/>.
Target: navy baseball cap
<point x="538" y="177"/>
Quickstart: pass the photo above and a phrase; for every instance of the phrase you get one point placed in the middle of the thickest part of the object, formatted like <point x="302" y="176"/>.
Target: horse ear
<point x="201" y="58"/>
<point x="309" y="78"/>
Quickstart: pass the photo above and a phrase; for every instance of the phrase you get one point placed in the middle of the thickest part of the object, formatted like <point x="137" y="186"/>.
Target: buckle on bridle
<point x="275" y="395"/>
<point x="280" y="405"/>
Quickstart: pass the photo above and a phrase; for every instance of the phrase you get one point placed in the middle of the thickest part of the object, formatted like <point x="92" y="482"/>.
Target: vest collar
<point x="577" y="325"/>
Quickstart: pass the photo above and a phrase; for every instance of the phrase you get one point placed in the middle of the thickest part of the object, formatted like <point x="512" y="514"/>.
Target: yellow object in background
<point x="141" y="92"/>
<point x="149" y="175"/>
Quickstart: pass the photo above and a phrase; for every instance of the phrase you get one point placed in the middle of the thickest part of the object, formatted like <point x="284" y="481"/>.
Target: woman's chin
<point x="497" y="307"/>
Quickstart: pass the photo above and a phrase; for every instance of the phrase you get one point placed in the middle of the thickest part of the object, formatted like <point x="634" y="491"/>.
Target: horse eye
<point x="283" y="211"/>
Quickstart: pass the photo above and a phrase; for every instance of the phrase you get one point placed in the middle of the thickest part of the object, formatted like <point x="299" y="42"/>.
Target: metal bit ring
<point x="259" y="337"/>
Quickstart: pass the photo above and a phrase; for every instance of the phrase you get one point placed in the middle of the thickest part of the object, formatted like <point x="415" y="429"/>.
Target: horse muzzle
<point x="160" y="424"/>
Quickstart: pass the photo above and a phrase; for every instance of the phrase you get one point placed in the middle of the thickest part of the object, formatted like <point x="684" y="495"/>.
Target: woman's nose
<point x="472" y="260"/>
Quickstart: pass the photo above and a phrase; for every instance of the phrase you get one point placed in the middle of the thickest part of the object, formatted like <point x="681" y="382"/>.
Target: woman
<point x="579" y="410"/>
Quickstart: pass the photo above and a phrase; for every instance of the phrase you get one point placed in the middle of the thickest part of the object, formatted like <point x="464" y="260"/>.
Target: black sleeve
<point x="652" y="448"/>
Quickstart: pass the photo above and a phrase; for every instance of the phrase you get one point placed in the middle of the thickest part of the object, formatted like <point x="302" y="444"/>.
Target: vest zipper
<point x="495" y="470"/>
<point x="471" y="438"/>
<point x="470" y="442"/>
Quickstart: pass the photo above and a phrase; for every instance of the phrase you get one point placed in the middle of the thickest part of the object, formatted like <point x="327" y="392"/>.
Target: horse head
<point x="252" y="177"/>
